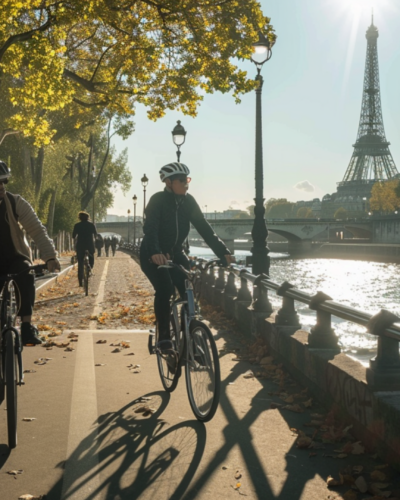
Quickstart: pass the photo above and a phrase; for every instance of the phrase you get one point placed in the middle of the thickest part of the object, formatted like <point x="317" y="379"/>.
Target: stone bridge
<point x="300" y="233"/>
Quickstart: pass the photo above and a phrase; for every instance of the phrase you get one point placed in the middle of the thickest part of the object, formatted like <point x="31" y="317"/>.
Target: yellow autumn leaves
<point x="87" y="54"/>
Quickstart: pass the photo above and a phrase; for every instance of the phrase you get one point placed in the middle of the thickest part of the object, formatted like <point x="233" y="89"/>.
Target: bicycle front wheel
<point x="169" y="365"/>
<point x="11" y="364"/>
<point x="86" y="278"/>
<point x="203" y="376"/>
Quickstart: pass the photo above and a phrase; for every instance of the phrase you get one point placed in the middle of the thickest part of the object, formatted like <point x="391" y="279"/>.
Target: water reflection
<point x="368" y="286"/>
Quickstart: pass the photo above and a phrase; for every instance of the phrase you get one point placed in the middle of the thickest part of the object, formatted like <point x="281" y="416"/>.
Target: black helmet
<point x="4" y="171"/>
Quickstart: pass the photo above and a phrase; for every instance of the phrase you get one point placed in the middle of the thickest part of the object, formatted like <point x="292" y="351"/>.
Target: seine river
<point x="368" y="286"/>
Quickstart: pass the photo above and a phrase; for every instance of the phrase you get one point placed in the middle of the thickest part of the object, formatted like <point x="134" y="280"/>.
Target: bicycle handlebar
<point x="38" y="270"/>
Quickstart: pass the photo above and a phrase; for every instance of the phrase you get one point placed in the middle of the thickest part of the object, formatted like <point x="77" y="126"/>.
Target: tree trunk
<point x="50" y="220"/>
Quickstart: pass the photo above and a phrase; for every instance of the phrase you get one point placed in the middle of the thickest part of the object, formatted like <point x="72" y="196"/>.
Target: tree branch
<point x="8" y="131"/>
<point x="23" y="37"/>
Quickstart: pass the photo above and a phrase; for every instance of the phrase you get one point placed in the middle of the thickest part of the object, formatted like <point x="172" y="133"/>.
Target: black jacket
<point x="167" y="225"/>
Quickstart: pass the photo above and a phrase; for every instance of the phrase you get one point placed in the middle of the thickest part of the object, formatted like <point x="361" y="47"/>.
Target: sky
<point x="311" y="107"/>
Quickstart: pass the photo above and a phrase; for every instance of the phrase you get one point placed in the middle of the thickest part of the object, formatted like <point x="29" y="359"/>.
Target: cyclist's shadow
<point x="137" y="456"/>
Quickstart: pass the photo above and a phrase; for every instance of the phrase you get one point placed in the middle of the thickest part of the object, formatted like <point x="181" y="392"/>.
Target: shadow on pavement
<point x="4" y="454"/>
<point x="136" y="455"/>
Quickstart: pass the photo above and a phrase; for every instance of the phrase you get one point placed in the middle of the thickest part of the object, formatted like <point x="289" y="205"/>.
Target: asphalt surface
<point x="88" y="442"/>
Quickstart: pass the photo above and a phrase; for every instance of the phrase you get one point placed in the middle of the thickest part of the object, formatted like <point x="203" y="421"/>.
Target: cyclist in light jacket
<point x="17" y="215"/>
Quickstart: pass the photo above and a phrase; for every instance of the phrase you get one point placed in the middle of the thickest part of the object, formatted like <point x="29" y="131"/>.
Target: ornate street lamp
<point x="144" y="180"/>
<point x="178" y="136"/>
<point x="128" y="223"/>
<point x="262" y="52"/>
<point x="134" y="199"/>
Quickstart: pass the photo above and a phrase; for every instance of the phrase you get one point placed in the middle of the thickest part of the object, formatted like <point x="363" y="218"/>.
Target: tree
<point x="279" y="208"/>
<point x="341" y="213"/>
<point x="384" y="197"/>
<point x="112" y="55"/>
<point x="304" y="213"/>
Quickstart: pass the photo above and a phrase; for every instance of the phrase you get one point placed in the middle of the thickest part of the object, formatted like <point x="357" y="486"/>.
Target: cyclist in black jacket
<point x="169" y="214"/>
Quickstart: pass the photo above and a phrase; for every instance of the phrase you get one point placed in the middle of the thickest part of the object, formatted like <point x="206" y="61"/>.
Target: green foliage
<point x="304" y="213"/>
<point x="108" y="56"/>
<point x="244" y="215"/>
<point x="279" y="208"/>
<point x="341" y="213"/>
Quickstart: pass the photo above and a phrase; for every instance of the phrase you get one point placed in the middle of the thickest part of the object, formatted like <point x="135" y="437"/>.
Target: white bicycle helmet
<point x="173" y="169"/>
<point x="4" y="171"/>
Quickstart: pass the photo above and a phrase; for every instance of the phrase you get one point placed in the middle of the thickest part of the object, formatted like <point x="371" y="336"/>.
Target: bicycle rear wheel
<point x="203" y="377"/>
<point x="11" y="364"/>
<point x="86" y="278"/>
<point x="169" y="368"/>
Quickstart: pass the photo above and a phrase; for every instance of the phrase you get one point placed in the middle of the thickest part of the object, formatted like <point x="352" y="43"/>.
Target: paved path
<point x="87" y="442"/>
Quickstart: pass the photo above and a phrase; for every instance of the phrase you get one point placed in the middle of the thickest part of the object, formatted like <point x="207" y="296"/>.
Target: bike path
<point x="87" y="441"/>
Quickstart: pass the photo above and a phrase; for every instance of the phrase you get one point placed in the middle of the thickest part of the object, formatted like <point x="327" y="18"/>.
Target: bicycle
<point x="194" y="347"/>
<point x="11" y="370"/>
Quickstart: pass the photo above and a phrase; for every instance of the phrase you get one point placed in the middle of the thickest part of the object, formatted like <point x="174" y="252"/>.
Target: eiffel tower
<point x="371" y="160"/>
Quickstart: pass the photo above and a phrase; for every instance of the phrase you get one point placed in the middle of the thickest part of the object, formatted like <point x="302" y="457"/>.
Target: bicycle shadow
<point x="133" y="455"/>
<point x="242" y="431"/>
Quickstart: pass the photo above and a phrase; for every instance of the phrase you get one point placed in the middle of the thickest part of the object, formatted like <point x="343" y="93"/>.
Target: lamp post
<point x="206" y="212"/>
<point x="144" y="180"/>
<point x="262" y="52"/>
<point x="134" y="199"/>
<point x="128" y="223"/>
<point x="94" y="191"/>
<point x="178" y="136"/>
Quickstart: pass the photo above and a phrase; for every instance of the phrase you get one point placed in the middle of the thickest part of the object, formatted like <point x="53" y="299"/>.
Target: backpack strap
<point x="13" y="204"/>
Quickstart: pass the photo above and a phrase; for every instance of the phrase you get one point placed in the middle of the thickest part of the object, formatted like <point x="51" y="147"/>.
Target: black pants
<point x="81" y="255"/>
<point x="164" y="281"/>
<point x="25" y="284"/>
<point x="98" y="251"/>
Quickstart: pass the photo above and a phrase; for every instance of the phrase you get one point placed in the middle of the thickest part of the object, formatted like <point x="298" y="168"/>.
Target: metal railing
<point x="384" y="325"/>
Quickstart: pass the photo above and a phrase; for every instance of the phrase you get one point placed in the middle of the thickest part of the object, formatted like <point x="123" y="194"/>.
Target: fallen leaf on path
<point x="224" y="467"/>
<point x="100" y="364"/>
<point x="29" y="371"/>
<point x="15" y="472"/>
<point x="117" y="349"/>
<point x="303" y="442"/>
<point x="296" y="408"/>
<point x="341" y="455"/>
<point x="69" y="349"/>
<point x="358" y="449"/>
<point x="331" y="481"/>
<point x="73" y="335"/>
<point x="130" y="354"/>
<point x="350" y="495"/>
<point x="248" y="374"/>
<point x="308" y="403"/>
<point x="40" y="361"/>
<point x="238" y="475"/>
<point x="101" y="342"/>
<point x="28" y="419"/>
<point x="357" y="469"/>
<point x="361" y="484"/>
<point x="31" y="497"/>
<point x="377" y="475"/>
<point x="238" y="485"/>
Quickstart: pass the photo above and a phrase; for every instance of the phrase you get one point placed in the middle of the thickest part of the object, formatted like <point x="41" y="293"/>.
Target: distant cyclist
<point x="169" y="214"/>
<point x="17" y="215"/>
<point x="114" y="244"/>
<point x="84" y="234"/>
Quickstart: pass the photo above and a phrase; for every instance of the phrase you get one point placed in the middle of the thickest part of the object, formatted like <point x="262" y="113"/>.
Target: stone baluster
<point x="244" y="294"/>
<point x="322" y="335"/>
<point x="384" y="370"/>
<point x="261" y="304"/>
<point x="287" y="315"/>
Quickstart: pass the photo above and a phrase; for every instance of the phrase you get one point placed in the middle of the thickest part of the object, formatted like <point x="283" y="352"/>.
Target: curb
<point x="53" y="280"/>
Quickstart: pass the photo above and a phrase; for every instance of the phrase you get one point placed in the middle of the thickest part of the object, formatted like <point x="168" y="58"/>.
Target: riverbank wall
<point x="369" y="407"/>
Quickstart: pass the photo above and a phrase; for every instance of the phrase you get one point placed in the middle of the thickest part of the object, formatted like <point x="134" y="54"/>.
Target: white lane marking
<point x="100" y="297"/>
<point x="81" y="478"/>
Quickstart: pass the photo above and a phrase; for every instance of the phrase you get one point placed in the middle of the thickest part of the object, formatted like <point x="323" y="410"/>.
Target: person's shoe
<point x="165" y="346"/>
<point x="29" y="334"/>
